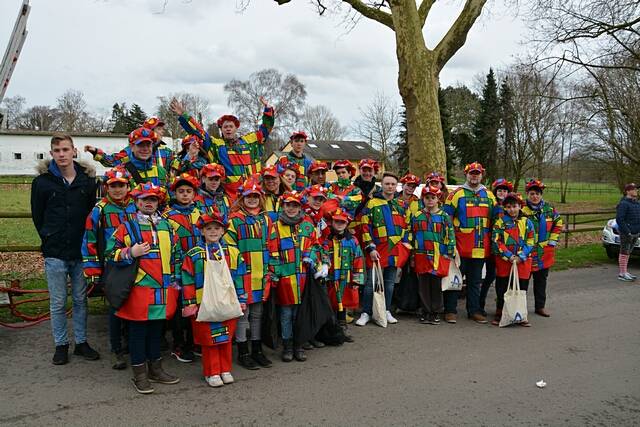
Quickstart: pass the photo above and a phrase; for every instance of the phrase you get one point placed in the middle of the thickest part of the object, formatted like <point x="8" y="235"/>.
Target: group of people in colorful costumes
<point x="272" y="226"/>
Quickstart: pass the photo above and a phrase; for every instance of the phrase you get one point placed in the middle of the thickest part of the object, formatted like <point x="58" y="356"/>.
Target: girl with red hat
<point x="248" y="231"/>
<point x="192" y="157"/>
<point x="214" y="337"/>
<point x="290" y="244"/>
<point x="343" y="189"/>
<point x="289" y="175"/>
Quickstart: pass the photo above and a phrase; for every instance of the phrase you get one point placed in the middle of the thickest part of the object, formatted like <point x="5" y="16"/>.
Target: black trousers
<point x="502" y="283"/>
<point x="540" y="287"/>
<point x="430" y="291"/>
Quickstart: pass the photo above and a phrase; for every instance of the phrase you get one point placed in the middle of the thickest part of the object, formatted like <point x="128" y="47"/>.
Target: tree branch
<point x="424" y="9"/>
<point x="372" y="13"/>
<point x="457" y="34"/>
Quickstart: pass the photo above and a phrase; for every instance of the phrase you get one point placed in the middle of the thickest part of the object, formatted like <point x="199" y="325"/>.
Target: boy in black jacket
<point x="62" y="196"/>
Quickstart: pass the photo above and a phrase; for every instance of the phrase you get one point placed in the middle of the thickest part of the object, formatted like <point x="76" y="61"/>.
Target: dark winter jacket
<point x="628" y="216"/>
<point x="59" y="210"/>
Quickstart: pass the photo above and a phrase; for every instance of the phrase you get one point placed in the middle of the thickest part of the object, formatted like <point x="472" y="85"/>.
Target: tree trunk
<point x="418" y="84"/>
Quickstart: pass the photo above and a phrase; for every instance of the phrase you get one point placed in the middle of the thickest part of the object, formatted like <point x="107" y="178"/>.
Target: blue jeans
<point x="389" y="277"/>
<point x="144" y="341"/>
<point x="471" y="268"/>
<point x="57" y="271"/>
<point x="288" y="314"/>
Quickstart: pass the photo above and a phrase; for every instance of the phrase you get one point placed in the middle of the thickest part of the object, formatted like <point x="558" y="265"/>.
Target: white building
<point x="20" y="151"/>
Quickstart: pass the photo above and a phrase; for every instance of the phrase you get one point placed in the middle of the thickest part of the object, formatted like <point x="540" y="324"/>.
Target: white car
<point x="611" y="240"/>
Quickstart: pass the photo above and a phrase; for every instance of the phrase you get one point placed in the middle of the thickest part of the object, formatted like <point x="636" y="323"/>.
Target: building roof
<point x="338" y="150"/>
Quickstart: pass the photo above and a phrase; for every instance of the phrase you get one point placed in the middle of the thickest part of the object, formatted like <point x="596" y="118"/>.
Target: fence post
<point x="566" y="231"/>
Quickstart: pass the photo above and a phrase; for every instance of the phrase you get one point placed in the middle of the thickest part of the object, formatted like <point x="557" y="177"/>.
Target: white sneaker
<point x="633" y="276"/>
<point x="214" y="381"/>
<point x="227" y="378"/>
<point x="630" y="276"/>
<point x="390" y="318"/>
<point x="363" y="320"/>
<point x="624" y="278"/>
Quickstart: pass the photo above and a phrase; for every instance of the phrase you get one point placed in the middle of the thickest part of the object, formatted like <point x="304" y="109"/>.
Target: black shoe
<point x="61" y="356"/>
<point x="258" y="356"/>
<point x="244" y="358"/>
<point x="436" y="319"/>
<point x="118" y="361"/>
<point x="316" y="344"/>
<point x="184" y="356"/>
<point x="307" y="346"/>
<point x="84" y="350"/>
<point x="424" y="319"/>
<point x="298" y="353"/>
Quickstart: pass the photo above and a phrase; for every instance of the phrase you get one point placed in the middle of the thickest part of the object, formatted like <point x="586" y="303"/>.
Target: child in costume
<point x="213" y="337"/>
<point x="343" y="189"/>
<point x="291" y="240"/>
<point x="111" y="211"/>
<point x="271" y="188"/>
<point x="192" y="157"/>
<point x="514" y="240"/>
<point x="298" y="141"/>
<point x="211" y="195"/>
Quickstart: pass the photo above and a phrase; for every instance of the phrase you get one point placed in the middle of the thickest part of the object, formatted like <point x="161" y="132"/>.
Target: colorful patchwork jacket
<point x="156" y="288"/>
<point x="183" y="219"/>
<point x="208" y="201"/>
<point x="249" y="234"/>
<point x="162" y="157"/>
<point x="288" y="246"/>
<point x="304" y="162"/>
<point x="547" y="224"/>
<point x="471" y="214"/>
<point x="350" y="196"/>
<point x="186" y="163"/>
<point x="107" y="215"/>
<point x="344" y="257"/>
<point x="384" y="229"/>
<point x="241" y="158"/>
<point x="432" y="237"/>
<point x="272" y="205"/>
<point x="513" y="237"/>
<point x="155" y="169"/>
<point x="193" y="266"/>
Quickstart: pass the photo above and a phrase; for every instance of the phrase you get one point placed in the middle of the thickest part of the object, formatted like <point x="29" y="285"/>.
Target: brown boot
<point x="450" y="317"/>
<point x="140" y="379"/>
<point x="158" y="375"/>
<point x="542" y="312"/>
<point x="478" y="318"/>
<point x="497" y="317"/>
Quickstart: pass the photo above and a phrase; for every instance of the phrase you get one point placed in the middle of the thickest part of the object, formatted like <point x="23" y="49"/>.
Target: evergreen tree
<point x="119" y="118"/>
<point x="136" y="117"/>
<point x="507" y="143"/>
<point x="485" y="131"/>
<point x="446" y="133"/>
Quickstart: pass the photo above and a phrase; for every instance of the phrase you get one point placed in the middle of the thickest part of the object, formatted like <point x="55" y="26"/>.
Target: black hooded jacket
<point x="59" y="211"/>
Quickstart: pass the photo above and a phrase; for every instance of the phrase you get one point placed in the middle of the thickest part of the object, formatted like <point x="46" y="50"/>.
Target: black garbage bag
<point x="405" y="294"/>
<point x="314" y="312"/>
<point x="270" y="323"/>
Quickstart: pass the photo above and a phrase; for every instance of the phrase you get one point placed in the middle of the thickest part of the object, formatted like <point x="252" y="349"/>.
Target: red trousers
<point x="216" y="359"/>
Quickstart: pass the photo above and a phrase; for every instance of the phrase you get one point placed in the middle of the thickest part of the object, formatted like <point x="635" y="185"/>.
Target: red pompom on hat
<point x="149" y="189"/>
<point x="117" y="174"/>
<point x="473" y="167"/>
<point x="228" y="118"/>
<point x="318" y="166"/>
<point x="251" y="186"/>
<point x="410" y="179"/>
<point x="142" y="134"/>
<point x="340" y="215"/>
<point x="152" y="123"/>
<point x="345" y="164"/>
<point x="213" y="169"/>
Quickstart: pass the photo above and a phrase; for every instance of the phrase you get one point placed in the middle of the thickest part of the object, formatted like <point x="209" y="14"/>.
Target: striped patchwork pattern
<point x="384" y="227"/>
<point x="432" y="236"/>
<point x="350" y="197"/>
<point x="345" y="260"/>
<point x="184" y="220"/>
<point x="207" y="202"/>
<point x="547" y="224"/>
<point x="302" y="181"/>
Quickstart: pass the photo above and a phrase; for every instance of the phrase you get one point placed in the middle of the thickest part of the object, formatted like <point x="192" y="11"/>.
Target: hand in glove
<point x="323" y="272"/>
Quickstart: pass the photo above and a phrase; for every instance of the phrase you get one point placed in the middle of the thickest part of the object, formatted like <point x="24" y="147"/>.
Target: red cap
<point x="502" y="183"/>
<point x="513" y="197"/>
<point x="369" y="163"/>
<point x="149" y="189"/>
<point x="283" y="164"/>
<point x="152" y="123"/>
<point x="251" y="186"/>
<point x="431" y="189"/>
<point x="228" y="118"/>
<point x="340" y="215"/>
<point x="533" y="184"/>
<point x="213" y="169"/>
<point x="291" y="197"/>
<point x="270" y="171"/>
<point x="185" y="178"/>
<point x="117" y="174"/>
<point x="475" y="166"/>
<point x="298" y="134"/>
<point x="316" y="191"/>
<point x="345" y="164"/>
<point x="410" y="179"/>
<point x="142" y="134"/>
<point x="318" y="166"/>
<point x="434" y="176"/>
<point x="214" y="216"/>
<point x="190" y="139"/>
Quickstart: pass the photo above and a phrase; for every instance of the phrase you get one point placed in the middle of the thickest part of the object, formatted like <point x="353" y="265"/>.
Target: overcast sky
<point x="126" y="51"/>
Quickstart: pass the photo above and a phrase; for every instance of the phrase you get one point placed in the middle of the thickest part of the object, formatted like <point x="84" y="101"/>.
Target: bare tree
<point x="14" y="106"/>
<point x="380" y="125"/>
<point x="195" y="104"/>
<point x="419" y="66"/>
<point x="284" y="92"/>
<point x="321" y="125"/>
<point x="72" y="112"/>
<point x="39" y="117"/>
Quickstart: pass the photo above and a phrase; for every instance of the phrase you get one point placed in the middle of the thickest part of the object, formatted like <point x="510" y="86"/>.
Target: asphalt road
<point x="407" y="374"/>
